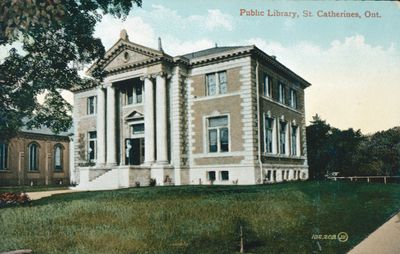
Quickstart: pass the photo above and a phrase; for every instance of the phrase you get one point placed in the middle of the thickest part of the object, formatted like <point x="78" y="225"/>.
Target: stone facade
<point x="35" y="157"/>
<point x="206" y="117"/>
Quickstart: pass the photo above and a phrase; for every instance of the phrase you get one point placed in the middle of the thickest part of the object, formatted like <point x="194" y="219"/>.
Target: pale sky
<point x="352" y="63"/>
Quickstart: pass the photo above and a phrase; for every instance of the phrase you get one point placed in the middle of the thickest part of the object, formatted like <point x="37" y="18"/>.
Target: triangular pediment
<point x="134" y="116"/>
<point x="125" y="53"/>
<point x="126" y="56"/>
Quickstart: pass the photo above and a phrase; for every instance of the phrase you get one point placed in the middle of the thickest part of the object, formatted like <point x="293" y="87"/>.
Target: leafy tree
<point x="343" y="145"/>
<point x="55" y="35"/>
<point x="317" y="137"/>
<point x="384" y="146"/>
<point x="349" y="152"/>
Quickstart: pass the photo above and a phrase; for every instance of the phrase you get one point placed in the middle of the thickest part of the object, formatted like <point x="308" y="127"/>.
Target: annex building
<point x="35" y="157"/>
<point x="224" y="115"/>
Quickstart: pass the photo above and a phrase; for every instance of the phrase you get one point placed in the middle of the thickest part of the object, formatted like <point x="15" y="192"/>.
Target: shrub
<point x="13" y="199"/>
<point x="153" y="182"/>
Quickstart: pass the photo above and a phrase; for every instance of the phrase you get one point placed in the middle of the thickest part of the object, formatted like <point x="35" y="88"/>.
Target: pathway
<point x="384" y="240"/>
<point x="43" y="194"/>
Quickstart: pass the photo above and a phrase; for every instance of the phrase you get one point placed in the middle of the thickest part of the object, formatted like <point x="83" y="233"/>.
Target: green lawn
<point x="280" y="218"/>
<point x="32" y="188"/>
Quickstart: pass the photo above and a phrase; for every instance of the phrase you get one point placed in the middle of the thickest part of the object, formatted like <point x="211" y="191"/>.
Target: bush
<point x="13" y="199"/>
<point x="153" y="182"/>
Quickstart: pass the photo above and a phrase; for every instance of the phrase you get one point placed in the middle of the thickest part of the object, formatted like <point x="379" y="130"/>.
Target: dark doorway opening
<point x="134" y="148"/>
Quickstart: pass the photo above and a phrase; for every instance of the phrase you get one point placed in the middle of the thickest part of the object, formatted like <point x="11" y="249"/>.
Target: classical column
<point x="161" y="117"/>
<point x="111" y="138"/>
<point x="148" y="121"/>
<point x="101" y="139"/>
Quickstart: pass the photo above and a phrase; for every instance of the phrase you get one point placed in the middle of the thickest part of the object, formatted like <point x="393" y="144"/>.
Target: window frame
<point x="297" y="140"/>
<point x="282" y="93"/>
<point x="58" y="168"/>
<point x="293" y="98"/>
<point x="267" y="89"/>
<point x="136" y="124"/>
<point x="33" y="164"/>
<point x="131" y="91"/>
<point x="209" y="175"/>
<point x="218" y="131"/>
<point x="221" y="175"/>
<point x="285" y="144"/>
<point x="273" y="135"/>
<point x="4" y="156"/>
<point x="218" y="83"/>
<point x="91" y="100"/>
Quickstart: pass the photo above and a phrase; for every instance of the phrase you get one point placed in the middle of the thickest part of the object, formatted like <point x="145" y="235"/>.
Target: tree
<point x="349" y="152"/>
<point x="317" y="138"/>
<point x="384" y="147"/>
<point x="55" y="35"/>
<point x="331" y="150"/>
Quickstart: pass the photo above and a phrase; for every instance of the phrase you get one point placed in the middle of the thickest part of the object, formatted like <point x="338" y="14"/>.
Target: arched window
<point x="58" y="157"/>
<point x="33" y="157"/>
<point x="3" y="156"/>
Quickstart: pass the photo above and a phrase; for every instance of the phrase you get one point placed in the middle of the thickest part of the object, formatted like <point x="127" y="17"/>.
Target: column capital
<point x="144" y="77"/>
<point x="108" y="86"/>
<point x="152" y="76"/>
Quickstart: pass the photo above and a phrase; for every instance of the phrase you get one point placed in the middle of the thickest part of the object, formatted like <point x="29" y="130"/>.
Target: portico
<point x="155" y="117"/>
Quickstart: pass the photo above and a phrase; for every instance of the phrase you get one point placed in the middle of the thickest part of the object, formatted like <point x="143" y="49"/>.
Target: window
<point x="211" y="175"/>
<point x="267" y="86"/>
<point x="293" y="98"/>
<point x="293" y="140"/>
<point x="134" y="93"/>
<point x="139" y="93"/>
<point x="58" y="158"/>
<point x="224" y="175"/>
<point x="91" y="105"/>
<point x="92" y="146"/>
<point x="282" y="93"/>
<point x="3" y="156"/>
<point x="216" y="83"/>
<point x="218" y="134"/>
<point x="33" y="157"/>
<point x="138" y="128"/>
<point x="268" y="134"/>
<point x="282" y="138"/>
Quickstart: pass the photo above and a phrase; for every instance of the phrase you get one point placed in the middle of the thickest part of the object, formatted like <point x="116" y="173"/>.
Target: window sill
<point x="284" y="156"/>
<point x="133" y="105"/>
<point x="5" y="171"/>
<point x="33" y="171"/>
<point x="218" y="154"/>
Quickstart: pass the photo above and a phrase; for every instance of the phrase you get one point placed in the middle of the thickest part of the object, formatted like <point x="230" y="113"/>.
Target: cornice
<point x="38" y="136"/>
<point x="221" y="56"/>
<point x="271" y="60"/>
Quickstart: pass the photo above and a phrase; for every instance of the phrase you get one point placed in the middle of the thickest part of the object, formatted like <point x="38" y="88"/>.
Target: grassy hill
<point x="280" y="218"/>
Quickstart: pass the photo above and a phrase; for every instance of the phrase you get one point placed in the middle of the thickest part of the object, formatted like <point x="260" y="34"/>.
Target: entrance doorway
<point x="134" y="148"/>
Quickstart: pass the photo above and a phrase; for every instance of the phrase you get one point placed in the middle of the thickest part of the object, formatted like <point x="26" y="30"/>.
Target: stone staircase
<point x="103" y="179"/>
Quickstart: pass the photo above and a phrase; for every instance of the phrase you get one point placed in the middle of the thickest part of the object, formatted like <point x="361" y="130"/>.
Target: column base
<point x="162" y="163"/>
<point x="147" y="164"/>
<point x="112" y="164"/>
